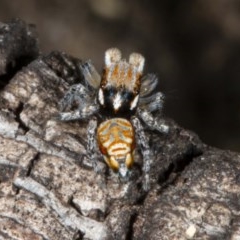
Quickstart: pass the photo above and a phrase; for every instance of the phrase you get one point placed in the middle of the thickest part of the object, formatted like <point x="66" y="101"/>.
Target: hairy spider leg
<point x="151" y="122"/>
<point x="92" y="146"/>
<point x="143" y="143"/>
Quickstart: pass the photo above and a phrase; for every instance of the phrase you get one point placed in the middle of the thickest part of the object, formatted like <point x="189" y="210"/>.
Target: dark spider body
<point x="124" y="110"/>
<point x="119" y="98"/>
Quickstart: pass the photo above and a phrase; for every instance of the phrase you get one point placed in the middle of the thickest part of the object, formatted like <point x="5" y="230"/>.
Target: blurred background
<point x="193" y="46"/>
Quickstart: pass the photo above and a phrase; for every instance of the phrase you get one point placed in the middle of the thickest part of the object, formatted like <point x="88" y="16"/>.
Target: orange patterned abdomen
<point x="116" y="142"/>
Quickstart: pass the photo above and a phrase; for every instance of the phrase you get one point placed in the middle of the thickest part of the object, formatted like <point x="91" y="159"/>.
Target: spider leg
<point x="143" y="142"/>
<point x="152" y="103"/>
<point x="82" y="113"/>
<point x="148" y="84"/>
<point x="92" y="146"/>
<point x="91" y="76"/>
<point x="76" y="93"/>
<point x="151" y="122"/>
<point x="79" y="95"/>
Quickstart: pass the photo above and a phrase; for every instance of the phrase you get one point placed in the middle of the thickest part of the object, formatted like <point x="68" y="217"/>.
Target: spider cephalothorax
<point x="117" y="99"/>
<point x="120" y="83"/>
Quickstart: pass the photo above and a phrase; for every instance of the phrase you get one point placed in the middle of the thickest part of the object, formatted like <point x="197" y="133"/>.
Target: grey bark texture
<point x="48" y="189"/>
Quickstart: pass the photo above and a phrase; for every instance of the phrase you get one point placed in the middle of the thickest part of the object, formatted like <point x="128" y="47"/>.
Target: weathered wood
<point x="48" y="189"/>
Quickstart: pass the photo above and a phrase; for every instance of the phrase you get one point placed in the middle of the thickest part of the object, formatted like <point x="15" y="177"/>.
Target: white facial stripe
<point x="134" y="102"/>
<point x="100" y="96"/>
<point x="117" y="102"/>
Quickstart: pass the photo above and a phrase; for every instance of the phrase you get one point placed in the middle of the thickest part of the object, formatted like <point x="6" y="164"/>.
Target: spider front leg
<point x="82" y="91"/>
<point x="92" y="146"/>
<point x="151" y="122"/>
<point x="77" y="93"/>
<point x="91" y="76"/>
<point x="83" y="112"/>
<point x="143" y="143"/>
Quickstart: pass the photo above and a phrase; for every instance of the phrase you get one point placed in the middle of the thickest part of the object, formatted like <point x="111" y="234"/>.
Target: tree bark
<point x="48" y="189"/>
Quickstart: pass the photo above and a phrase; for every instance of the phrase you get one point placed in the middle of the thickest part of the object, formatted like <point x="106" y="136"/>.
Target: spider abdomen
<point x="116" y="142"/>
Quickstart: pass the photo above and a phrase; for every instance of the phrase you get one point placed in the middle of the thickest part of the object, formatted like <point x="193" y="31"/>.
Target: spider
<point x="120" y="100"/>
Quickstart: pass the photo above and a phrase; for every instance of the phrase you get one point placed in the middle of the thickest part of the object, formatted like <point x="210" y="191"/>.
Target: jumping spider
<point x="117" y="99"/>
